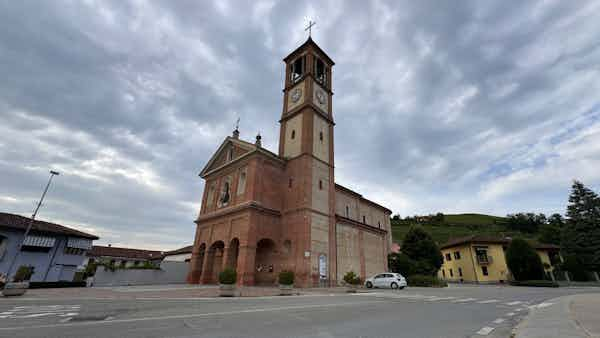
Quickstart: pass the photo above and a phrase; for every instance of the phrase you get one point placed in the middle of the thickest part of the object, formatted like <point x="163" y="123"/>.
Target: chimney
<point x="236" y="134"/>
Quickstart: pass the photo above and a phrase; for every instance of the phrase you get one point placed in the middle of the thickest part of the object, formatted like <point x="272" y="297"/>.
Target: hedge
<point x="537" y="283"/>
<point x="60" y="284"/>
<point x="424" y="280"/>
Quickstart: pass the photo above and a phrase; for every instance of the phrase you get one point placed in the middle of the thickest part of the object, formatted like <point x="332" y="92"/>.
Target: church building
<point x="264" y="212"/>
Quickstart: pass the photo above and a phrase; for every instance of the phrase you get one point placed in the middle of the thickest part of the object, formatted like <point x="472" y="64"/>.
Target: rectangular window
<point x="347" y="212"/>
<point x="484" y="270"/>
<point x="365" y="219"/>
<point x="460" y="272"/>
<point x="444" y="273"/>
<point x="456" y="255"/>
<point x="448" y="257"/>
<point x="451" y="273"/>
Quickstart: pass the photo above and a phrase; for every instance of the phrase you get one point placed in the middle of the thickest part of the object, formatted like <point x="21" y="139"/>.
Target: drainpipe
<point x="473" y="261"/>
<point x="51" y="263"/>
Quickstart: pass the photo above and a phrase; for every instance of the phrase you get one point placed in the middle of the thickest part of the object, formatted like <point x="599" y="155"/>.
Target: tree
<point x="523" y="262"/>
<point x="526" y="222"/>
<point x="550" y="231"/>
<point x="580" y="237"/>
<point x="419" y="247"/>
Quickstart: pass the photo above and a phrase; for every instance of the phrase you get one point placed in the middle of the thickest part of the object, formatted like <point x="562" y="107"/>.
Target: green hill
<point x="458" y="225"/>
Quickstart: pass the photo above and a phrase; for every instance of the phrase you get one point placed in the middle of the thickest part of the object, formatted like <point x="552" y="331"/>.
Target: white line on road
<point x="499" y="321"/>
<point x="435" y="299"/>
<point x="514" y="303"/>
<point x="510" y="314"/>
<point x="540" y="305"/>
<point x="198" y="315"/>
<point x="488" y="301"/>
<point x="68" y="319"/>
<point x="485" y="330"/>
<point x="464" y="300"/>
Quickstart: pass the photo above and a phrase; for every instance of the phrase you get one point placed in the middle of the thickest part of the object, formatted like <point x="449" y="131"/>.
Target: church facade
<point x="265" y="212"/>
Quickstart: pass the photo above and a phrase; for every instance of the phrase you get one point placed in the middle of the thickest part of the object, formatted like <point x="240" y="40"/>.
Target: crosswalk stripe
<point x="514" y="303"/>
<point x="485" y="330"/>
<point x="488" y="301"/>
<point x="464" y="300"/>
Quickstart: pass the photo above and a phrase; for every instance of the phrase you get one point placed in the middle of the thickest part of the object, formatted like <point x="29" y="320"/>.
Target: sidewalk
<point x="568" y="317"/>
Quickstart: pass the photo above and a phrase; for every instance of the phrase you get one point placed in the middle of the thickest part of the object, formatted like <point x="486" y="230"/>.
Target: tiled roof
<point x="480" y="239"/>
<point x="21" y="223"/>
<point x="184" y="250"/>
<point x="111" y="251"/>
<point x="350" y="191"/>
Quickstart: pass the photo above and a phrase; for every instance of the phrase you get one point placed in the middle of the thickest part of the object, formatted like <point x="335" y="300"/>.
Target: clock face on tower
<point x="320" y="98"/>
<point x="296" y="95"/>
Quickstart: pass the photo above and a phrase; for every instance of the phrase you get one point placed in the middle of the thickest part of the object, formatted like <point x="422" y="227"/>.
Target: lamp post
<point x="30" y="225"/>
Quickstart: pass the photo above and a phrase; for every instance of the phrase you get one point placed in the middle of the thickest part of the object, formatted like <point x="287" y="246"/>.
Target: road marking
<point x="485" y="330"/>
<point x="464" y="300"/>
<point x="436" y="299"/>
<point x="198" y="315"/>
<point x="510" y="314"/>
<point x="68" y="319"/>
<point x="37" y="311"/>
<point x="499" y="321"/>
<point x="514" y="303"/>
<point x="540" y="305"/>
<point x="488" y="301"/>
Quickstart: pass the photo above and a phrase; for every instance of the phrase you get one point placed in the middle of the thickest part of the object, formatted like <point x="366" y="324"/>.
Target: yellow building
<point x="480" y="259"/>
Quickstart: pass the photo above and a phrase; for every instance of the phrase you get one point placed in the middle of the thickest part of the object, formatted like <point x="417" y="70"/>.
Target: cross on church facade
<point x="309" y="27"/>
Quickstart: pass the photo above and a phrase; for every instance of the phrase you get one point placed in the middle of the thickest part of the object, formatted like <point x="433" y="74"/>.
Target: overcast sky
<point x="452" y="106"/>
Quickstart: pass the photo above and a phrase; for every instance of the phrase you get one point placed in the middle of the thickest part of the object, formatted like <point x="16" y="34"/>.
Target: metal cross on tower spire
<point x="309" y="27"/>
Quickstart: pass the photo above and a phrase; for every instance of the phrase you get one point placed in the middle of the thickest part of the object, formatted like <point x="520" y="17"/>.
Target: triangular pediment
<point x="230" y="150"/>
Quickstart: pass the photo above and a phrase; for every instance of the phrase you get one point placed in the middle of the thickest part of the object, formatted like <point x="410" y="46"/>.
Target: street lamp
<point x="30" y="225"/>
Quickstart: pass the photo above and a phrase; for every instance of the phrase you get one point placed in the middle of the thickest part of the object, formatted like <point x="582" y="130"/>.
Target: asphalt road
<point x="462" y="311"/>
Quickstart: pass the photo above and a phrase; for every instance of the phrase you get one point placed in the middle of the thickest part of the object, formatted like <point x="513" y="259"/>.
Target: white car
<point x="386" y="280"/>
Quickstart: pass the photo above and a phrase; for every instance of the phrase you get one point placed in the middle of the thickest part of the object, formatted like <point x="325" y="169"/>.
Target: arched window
<point x="347" y="212"/>
<point x="293" y="134"/>
<point x="230" y="154"/>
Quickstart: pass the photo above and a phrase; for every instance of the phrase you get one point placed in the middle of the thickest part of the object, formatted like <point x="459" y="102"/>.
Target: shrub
<point x="24" y="273"/>
<point x="575" y="267"/>
<point x="227" y="276"/>
<point x="425" y="280"/>
<point x="537" y="283"/>
<point x="351" y="278"/>
<point x="286" y="277"/>
<point x="523" y="262"/>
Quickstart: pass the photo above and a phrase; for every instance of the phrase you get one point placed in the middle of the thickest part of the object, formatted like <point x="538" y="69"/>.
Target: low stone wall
<point x="169" y="273"/>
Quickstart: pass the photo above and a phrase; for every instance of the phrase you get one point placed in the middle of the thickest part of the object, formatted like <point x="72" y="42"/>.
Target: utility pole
<point x="30" y="225"/>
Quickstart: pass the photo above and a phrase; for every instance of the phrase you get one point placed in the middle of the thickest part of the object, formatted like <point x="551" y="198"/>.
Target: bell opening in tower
<point x="297" y="69"/>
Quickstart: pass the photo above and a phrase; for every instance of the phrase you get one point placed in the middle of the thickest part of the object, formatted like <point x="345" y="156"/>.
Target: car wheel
<point x="369" y="285"/>
<point x="394" y="285"/>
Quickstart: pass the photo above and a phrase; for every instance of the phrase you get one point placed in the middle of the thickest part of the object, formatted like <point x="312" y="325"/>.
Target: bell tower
<point x="306" y="143"/>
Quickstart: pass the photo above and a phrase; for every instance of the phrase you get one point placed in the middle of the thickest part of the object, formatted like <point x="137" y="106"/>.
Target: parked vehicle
<point x="386" y="280"/>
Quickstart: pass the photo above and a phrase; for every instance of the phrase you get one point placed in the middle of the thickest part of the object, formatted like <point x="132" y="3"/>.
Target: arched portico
<point x="214" y="263"/>
<point x="266" y="269"/>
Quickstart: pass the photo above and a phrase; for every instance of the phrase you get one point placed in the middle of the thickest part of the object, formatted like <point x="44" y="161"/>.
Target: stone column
<point x="205" y="277"/>
<point x="246" y="265"/>
<point x="225" y="257"/>
<point x="193" y="276"/>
